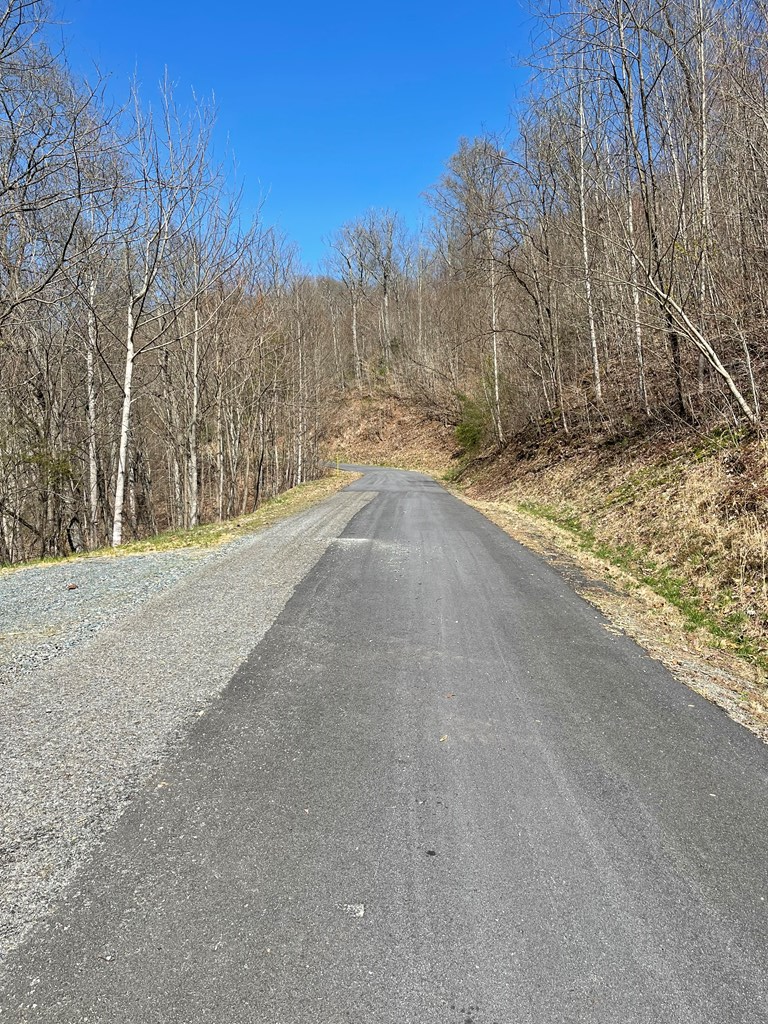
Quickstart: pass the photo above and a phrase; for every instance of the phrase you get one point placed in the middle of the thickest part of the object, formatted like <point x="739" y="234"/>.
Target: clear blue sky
<point x="331" y="108"/>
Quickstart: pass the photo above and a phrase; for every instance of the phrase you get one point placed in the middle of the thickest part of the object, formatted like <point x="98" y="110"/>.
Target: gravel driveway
<point x="103" y="663"/>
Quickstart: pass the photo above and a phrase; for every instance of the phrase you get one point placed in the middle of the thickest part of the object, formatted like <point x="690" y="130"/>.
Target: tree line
<point x="164" y="360"/>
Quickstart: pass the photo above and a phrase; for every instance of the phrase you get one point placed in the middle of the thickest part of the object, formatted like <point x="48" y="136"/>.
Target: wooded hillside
<point x="605" y="264"/>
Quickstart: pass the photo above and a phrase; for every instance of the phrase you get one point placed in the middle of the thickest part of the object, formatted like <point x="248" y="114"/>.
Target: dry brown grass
<point x="383" y="431"/>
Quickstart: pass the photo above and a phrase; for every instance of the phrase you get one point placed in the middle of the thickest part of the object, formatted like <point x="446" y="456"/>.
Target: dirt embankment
<point x="667" y="535"/>
<point x="387" y="432"/>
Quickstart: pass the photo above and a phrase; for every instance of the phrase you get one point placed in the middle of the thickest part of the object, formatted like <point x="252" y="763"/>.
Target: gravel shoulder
<point x="98" y="682"/>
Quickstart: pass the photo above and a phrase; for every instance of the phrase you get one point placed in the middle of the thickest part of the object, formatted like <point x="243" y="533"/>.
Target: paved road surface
<point x="439" y="790"/>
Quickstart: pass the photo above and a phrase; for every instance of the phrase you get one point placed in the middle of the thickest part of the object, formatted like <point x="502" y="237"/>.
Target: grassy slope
<point x="686" y="518"/>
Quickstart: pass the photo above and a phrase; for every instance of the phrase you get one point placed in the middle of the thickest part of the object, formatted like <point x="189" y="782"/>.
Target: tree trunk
<point x="93" y="463"/>
<point x="494" y="336"/>
<point x="125" y="426"/>
<point x="585" y="246"/>
<point x="192" y="453"/>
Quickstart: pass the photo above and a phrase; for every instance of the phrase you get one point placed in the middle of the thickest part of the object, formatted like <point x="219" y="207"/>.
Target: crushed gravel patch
<point x="42" y="618"/>
<point x="97" y="682"/>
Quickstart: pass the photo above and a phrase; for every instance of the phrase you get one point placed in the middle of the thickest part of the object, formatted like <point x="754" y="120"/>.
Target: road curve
<point x="438" y="790"/>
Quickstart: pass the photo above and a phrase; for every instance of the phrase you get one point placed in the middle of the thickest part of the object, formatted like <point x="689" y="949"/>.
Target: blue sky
<point x="331" y="108"/>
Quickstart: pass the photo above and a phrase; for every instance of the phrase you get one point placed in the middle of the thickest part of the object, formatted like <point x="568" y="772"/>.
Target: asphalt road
<point x="439" y="790"/>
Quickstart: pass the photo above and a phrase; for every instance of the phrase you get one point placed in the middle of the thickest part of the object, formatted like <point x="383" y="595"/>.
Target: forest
<point x="166" y="361"/>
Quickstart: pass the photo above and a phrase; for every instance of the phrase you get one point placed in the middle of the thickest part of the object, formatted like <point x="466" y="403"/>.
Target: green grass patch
<point x="724" y="627"/>
<point x="454" y="472"/>
<point x="716" y="441"/>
